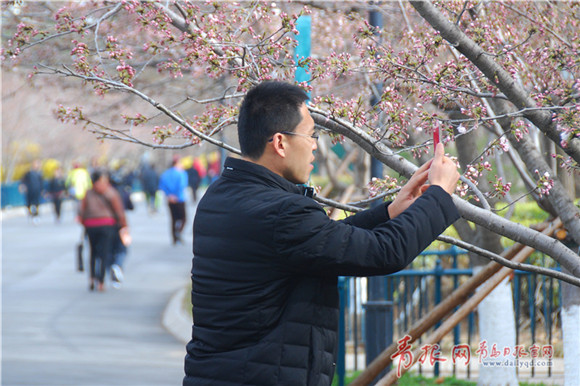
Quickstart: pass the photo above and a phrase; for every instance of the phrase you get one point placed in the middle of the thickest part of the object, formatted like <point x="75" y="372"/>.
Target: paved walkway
<point x="56" y="332"/>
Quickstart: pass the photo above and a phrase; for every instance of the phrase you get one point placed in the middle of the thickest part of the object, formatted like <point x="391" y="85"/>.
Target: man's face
<point x="301" y="147"/>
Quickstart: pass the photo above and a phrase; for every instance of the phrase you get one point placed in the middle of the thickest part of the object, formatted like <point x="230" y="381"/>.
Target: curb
<point x="175" y="320"/>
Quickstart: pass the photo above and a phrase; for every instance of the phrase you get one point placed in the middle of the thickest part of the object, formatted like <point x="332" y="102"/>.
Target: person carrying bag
<point x="102" y="214"/>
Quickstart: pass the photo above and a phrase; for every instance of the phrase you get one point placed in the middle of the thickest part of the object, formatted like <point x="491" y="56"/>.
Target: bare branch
<point x="510" y="264"/>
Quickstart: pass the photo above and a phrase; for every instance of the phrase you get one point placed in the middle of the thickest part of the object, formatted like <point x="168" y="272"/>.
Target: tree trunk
<point x="497" y="328"/>
<point x="570" y="312"/>
<point x="494" y="327"/>
<point x="571" y="332"/>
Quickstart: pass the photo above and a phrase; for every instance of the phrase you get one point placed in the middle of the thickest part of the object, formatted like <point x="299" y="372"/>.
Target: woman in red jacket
<point x="101" y="213"/>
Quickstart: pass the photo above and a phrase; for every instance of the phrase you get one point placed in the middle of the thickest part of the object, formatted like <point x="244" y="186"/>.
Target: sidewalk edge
<point x="175" y="320"/>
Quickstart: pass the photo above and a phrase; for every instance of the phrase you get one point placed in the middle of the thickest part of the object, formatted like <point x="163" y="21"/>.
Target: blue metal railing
<point x="413" y="292"/>
<point x="11" y="196"/>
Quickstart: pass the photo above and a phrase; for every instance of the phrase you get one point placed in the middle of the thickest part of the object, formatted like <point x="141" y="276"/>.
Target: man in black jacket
<point x="267" y="257"/>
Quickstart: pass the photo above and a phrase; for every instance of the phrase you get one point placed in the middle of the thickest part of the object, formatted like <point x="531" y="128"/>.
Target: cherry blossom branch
<point x="121" y="135"/>
<point x="121" y="86"/>
<point x="182" y="25"/>
<point x="97" y="25"/>
<point x="516" y="160"/>
<point x="551" y="31"/>
<point x="496" y="74"/>
<point x="499" y="77"/>
<point x="64" y="33"/>
<point x="515" y="114"/>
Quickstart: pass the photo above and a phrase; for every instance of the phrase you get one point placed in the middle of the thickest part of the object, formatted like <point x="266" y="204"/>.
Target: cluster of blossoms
<point x="137" y="120"/>
<point x="161" y="133"/>
<point x="24" y="33"/>
<point x="519" y="128"/>
<point x="350" y="110"/>
<point x="80" y="49"/>
<point x="148" y="14"/>
<point x="378" y="185"/>
<point x="567" y="122"/>
<point x="65" y="22"/>
<point x="500" y="189"/>
<point x="476" y="170"/>
<point x="462" y="190"/>
<point x="115" y="51"/>
<point x="335" y="66"/>
<point x="80" y="54"/>
<point x="214" y="117"/>
<point x="544" y="183"/>
<point x="126" y="73"/>
<point x="69" y="114"/>
<point x="473" y="173"/>
<point x="567" y="163"/>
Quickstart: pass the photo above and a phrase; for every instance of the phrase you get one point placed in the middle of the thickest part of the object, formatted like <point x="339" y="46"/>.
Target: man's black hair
<point x="267" y="109"/>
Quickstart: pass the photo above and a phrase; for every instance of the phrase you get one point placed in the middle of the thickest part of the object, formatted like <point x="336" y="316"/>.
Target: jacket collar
<point x="234" y="167"/>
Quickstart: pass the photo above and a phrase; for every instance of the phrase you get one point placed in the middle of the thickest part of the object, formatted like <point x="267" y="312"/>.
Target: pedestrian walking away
<point x="101" y="213"/>
<point x="57" y="191"/>
<point x="33" y="186"/>
<point x="267" y="257"/>
<point x="194" y="179"/>
<point x="149" y="182"/>
<point x="173" y="182"/>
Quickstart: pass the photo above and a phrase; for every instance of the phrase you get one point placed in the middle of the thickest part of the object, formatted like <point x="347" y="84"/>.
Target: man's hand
<point x="409" y="193"/>
<point x="440" y="171"/>
<point x="443" y="171"/>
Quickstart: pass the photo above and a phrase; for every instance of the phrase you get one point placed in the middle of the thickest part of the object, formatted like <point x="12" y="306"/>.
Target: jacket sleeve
<point x="370" y="218"/>
<point x="307" y="241"/>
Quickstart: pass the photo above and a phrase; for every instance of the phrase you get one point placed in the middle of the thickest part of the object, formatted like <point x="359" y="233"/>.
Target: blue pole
<point x="302" y="50"/>
<point x="378" y="315"/>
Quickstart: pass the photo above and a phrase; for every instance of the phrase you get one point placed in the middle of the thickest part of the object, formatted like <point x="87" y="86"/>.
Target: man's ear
<point x="279" y="144"/>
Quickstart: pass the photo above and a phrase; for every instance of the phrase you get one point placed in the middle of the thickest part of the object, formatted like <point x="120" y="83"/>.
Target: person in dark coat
<point x="267" y="257"/>
<point x="149" y="182"/>
<point x="56" y="191"/>
<point x="33" y="185"/>
<point x="194" y="179"/>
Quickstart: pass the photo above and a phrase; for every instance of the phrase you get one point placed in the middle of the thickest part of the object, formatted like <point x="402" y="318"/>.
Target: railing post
<point x="438" y="273"/>
<point x="341" y="360"/>
<point x="379" y="329"/>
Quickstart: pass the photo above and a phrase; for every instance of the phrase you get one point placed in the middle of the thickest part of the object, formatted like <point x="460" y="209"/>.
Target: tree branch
<point x="510" y="264"/>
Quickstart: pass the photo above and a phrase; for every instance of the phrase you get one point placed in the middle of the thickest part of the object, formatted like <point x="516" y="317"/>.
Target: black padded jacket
<point x="265" y="267"/>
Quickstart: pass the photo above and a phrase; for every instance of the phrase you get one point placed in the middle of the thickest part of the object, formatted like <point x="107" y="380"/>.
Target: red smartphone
<point x="436" y="138"/>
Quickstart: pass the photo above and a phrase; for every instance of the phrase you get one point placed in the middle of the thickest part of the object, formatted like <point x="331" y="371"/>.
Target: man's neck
<point x="266" y="162"/>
